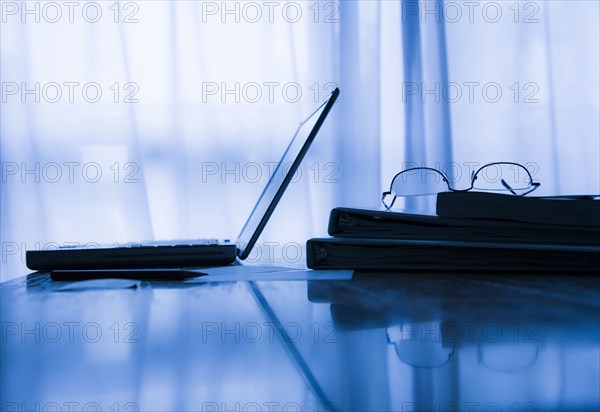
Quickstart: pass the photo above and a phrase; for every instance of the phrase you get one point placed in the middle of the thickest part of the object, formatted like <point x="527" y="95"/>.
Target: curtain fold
<point x="427" y="125"/>
<point x="358" y="133"/>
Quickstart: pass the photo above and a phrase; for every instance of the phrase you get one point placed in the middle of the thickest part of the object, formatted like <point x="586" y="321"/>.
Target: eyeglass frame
<point x="533" y="185"/>
<point x="395" y="343"/>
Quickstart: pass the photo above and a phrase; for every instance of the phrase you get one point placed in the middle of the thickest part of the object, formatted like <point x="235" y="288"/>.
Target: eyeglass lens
<point x="419" y="181"/>
<point x="491" y="177"/>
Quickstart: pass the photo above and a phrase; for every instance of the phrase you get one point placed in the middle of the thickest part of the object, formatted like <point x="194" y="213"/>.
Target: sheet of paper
<point x="99" y="284"/>
<point x="251" y="273"/>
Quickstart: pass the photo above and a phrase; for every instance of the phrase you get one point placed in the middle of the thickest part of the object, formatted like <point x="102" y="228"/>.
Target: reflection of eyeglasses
<point x="419" y="350"/>
<point x="508" y="357"/>
<point x="498" y="176"/>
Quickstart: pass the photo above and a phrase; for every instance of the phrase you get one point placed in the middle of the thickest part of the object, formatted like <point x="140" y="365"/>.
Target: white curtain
<point x="125" y="121"/>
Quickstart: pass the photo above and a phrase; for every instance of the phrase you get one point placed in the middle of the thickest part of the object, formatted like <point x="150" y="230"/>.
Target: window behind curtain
<point x="197" y="103"/>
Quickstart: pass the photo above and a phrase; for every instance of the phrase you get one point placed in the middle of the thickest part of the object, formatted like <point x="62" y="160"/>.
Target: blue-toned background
<point x="133" y="120"/>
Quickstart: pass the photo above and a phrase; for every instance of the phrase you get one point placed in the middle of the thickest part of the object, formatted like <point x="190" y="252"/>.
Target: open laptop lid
<point x="278" y="182"/>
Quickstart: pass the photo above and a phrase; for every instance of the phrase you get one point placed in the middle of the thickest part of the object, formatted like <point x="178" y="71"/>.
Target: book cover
<point x="560" y="210"/>
<point x="363" y="223"/>
<point x="395" y="254"/>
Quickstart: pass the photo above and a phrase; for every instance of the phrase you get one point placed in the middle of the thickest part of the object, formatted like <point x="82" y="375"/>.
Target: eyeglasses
<point x="494" y="177"/>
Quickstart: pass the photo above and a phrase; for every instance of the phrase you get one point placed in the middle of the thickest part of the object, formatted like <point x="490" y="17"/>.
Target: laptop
<point x="169" y="259"/>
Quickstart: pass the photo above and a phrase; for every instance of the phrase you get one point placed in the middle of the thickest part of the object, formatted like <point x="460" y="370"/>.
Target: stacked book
<point x="472" y="231"/>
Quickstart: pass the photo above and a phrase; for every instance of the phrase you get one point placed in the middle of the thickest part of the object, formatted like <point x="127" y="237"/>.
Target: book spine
<point x="316" y="255"/>
<point x="332" y="227"/>
<point x="340" y="222"/>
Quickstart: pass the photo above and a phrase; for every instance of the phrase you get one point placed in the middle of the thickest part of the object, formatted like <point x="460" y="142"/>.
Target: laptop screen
<point x="281" y="177"/>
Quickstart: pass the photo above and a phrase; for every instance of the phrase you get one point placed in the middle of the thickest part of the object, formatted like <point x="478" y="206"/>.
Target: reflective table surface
<point x="379" y="341"/>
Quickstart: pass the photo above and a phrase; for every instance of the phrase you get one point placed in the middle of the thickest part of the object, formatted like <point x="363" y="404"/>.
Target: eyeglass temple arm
<point x="383" y="195"/>
<point x="534" y="185"/>
<point x="508" y="187"/>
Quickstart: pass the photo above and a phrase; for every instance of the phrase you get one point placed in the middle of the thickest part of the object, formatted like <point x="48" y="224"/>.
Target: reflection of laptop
<point x="154" y="255"/>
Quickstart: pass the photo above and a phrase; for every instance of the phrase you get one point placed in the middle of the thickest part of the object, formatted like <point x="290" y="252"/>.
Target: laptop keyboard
<point x="179" y="243"/>
<point x="156" y="243"/>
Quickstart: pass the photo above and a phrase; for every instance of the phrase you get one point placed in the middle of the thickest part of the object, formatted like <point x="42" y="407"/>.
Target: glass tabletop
<point x="376" y="341"/>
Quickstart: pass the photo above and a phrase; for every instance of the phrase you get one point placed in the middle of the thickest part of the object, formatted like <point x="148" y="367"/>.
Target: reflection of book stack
<point x="472" y="231"/>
